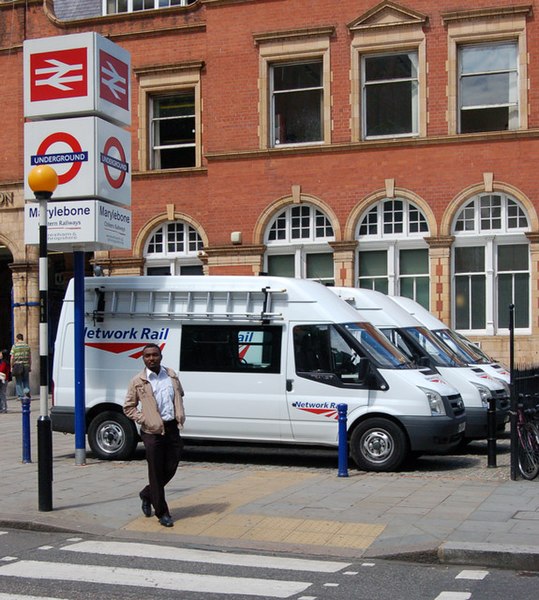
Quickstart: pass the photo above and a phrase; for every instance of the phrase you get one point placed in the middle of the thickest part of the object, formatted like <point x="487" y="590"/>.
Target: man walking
<point x="21" y="365"/>
<point x="154" y="400"/>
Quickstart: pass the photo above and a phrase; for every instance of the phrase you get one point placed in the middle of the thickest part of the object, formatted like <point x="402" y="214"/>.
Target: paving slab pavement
<point x="449" y="509"/>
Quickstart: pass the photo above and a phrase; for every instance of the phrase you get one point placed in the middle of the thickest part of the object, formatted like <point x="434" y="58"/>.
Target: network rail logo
<point x="324" y="409"/>
<point x="129" y="341"/>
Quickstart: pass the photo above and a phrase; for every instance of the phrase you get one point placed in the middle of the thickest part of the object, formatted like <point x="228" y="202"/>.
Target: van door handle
<point x="289" y="385"/>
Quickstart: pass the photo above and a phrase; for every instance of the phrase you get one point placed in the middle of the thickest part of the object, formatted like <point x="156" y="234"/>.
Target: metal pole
<point x="513" y="411"/>
<point x="343" y="440"/>
<point x="491" y="432"/>
<point x="44" y="429"/>
<point x="26" y="443"/>
<point x="80" y="403"/>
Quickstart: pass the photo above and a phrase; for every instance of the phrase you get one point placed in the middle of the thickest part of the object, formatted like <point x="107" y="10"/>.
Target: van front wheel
<point x="112" y="436"/>
<point x="378" y="445"/>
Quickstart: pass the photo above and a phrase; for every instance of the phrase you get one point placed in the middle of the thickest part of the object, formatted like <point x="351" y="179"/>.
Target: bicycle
<point x="528" y="441"/>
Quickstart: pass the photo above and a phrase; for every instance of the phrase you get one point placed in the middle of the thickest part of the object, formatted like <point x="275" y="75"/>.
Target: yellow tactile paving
<point x="212" y="513"/>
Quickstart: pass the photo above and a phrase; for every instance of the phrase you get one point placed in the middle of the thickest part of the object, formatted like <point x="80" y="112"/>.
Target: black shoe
<point x="166" y="521"/>
<point x="146" y="507"/>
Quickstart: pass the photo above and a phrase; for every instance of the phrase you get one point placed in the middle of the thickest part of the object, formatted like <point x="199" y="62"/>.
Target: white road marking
<point x="205" y="556"/>
<point x="453" y="596"/>
<point x="469" y="574"/>
<point x="163" y="580"/>
<point x="18" y="597"/>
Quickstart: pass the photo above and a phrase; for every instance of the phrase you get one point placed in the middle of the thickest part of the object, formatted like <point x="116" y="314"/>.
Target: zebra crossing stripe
<point x="154" y="551"/>
<point x="164" y="580"/>
<point x="18" y="597"/>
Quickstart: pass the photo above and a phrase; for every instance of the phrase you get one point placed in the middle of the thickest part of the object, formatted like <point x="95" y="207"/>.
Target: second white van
<point x="421" y="346"/>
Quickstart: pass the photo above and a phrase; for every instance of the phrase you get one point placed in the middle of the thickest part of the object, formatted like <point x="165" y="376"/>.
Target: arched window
<point x="297" y="244"/>
<point x="172" y="249"/>
<point x="491" y="264"/>
<point x="393" y="256"/>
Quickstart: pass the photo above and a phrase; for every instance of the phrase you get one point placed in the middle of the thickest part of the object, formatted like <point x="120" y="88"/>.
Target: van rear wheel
<point x="378" y="445"/>
<point x="112" y="436"/>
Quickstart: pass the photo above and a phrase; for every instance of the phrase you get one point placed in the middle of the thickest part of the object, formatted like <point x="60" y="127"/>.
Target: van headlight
<point x="484" y="394"/>
<point x="435" y="401"/>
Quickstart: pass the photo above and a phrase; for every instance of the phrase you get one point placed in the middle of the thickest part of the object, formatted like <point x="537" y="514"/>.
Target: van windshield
<point x="442" y="355"/>
<point x="462" y="347"/>
<point x="376" y="345"/>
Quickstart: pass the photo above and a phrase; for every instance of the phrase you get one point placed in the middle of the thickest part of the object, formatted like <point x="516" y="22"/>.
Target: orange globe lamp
<point x="43" y="180"/>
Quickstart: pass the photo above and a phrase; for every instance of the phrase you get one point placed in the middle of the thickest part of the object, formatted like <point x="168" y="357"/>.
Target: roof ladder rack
<point x="231" y="305"/>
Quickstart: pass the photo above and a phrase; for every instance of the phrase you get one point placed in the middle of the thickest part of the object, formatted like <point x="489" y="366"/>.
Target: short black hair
<point x="151" y="345"/>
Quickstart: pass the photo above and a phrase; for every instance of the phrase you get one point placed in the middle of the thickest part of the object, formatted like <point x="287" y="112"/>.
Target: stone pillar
<point x="440" y="276"/>
<point x="533" y="238"/>
<point x="344" y="262"/>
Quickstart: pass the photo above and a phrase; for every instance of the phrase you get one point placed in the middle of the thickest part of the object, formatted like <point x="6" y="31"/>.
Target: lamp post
<point x="43" y="180"/>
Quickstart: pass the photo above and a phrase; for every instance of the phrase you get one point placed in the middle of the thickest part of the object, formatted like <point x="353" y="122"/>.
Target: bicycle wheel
<point x="528" y="453"/>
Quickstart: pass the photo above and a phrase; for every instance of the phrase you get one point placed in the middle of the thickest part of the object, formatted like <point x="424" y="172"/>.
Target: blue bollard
<point x="343" y="440"/>
<point x="26" y="444"/>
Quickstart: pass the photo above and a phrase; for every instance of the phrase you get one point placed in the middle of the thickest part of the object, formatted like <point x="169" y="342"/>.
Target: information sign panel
<point x="86" y="225"/>
<point x="92" y="157"/>
<point x="79" y="74"/>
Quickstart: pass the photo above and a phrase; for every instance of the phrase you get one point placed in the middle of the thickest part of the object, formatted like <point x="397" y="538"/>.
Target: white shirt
<point x="163" y="393"/>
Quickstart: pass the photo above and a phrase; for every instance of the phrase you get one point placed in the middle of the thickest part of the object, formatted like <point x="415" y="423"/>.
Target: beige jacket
<point x="140" y="405"/>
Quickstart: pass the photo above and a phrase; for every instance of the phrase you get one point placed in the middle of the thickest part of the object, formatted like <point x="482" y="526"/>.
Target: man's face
<point x="152" y="359"/>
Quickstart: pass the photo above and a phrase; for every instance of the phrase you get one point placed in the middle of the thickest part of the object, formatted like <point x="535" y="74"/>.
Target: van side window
<point x="403" y="345"/>
<point x="323" y="354"/>
<point x="231" y="348"/>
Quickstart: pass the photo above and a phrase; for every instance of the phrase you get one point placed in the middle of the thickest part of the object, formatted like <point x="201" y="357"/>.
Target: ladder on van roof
<point x="241" y="306"/>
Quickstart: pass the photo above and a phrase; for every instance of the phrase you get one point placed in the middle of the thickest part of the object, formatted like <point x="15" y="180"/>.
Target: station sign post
<point x="77" y="102"/>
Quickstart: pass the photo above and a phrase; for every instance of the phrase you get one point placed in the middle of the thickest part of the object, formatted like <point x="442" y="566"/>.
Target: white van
<point x="425" y="349"/>
<point x="464" y="348"/>
<point x="262" y="359"/>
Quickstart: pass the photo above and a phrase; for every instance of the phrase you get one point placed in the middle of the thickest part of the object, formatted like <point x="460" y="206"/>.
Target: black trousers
<point x="163" y="456"/>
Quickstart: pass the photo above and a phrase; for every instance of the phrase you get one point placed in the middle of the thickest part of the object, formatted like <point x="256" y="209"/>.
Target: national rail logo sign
<point x="76" y="75"/>
<point x="56" y="75"/>
<point x="113" y="80"/>
<point x="91" y="157"/>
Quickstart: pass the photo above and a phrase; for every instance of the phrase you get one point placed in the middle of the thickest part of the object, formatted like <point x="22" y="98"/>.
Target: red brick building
<point x="387" y="145"/>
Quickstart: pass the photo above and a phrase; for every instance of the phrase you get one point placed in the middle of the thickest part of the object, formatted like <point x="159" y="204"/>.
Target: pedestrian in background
<point x="154" y="400"/>
<point x="4" y="379"/>
<point x="21" y="365"/>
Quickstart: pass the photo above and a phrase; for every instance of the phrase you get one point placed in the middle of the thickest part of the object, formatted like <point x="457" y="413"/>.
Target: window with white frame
<point x="173" y="130"/>
<point x="172" y="249"/>
<point x="297" y="244"/>
<point x="393" y="257"/>
<point x="111" y="7"/>
<point x="390" y="94"/>
<point x="491" y="264"/>
<point x="297" y="101"/>
<point x="488" y="87"/>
